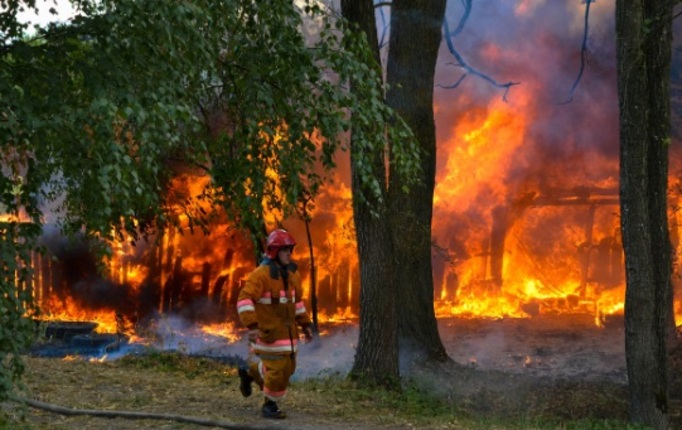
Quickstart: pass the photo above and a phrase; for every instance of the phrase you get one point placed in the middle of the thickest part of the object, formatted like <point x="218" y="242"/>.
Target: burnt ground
<point x="550" y="368"/>
<point x="559" y="366"/>
<point x="556" y="366"/>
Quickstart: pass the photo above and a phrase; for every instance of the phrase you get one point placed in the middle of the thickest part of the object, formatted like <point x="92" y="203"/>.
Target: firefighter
<point x="271" y="306"/>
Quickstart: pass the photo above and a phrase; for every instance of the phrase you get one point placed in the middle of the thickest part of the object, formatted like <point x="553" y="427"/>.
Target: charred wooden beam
<point x="237" y="281"/>
<point x="498" y="235"/>
<point x="587" y="250"/>
<point x="217" y="293"/>
<point x="503" y="217"/>
<point x="205" y="279"/>
<point x="573" y="201"/>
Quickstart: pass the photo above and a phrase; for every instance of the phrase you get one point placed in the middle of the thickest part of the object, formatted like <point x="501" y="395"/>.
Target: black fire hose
<point x="137" y="415"/>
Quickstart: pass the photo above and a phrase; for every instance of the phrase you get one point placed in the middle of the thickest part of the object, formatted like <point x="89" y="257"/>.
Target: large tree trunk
<point x="413" y="49"/>
<point x="644" y="55"/>
<point x="376" y="359"/>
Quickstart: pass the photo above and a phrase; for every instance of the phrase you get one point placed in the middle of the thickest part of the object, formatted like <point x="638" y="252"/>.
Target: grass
<point x="174" y="383"/>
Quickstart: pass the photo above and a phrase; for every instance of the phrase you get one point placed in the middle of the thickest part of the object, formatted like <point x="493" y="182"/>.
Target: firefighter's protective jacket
<point x="272" y="300"/>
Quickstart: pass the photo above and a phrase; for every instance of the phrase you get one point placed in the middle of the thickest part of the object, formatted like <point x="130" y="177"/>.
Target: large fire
<point x="526" y="215"/>
<point x="541" y="251"/>
<point x="537" y="249"/>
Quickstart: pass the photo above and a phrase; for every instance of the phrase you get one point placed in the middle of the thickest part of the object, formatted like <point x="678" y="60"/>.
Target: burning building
<point x="526" y="215"/>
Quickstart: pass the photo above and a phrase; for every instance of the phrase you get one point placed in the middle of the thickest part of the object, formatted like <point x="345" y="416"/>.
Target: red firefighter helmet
<point x="277" y="239"/>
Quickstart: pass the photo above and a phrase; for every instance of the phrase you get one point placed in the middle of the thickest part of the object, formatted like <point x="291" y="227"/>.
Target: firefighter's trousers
<point x="272" y="374"/>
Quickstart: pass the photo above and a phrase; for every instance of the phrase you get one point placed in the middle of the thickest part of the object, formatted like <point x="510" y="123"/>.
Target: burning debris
<point x="68" y="338"/>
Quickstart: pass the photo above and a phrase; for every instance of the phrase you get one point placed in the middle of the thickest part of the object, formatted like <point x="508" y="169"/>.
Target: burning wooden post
<point x="586" y="249"/>
<point x="498" y="235"/>
<point x="325" y="295"/>
<point x="343" y="285"/>
<point x="608" y="267"/>
<point x="217" y="294"/>
<point x="236" y="282"/>
<point x="504" y="217"/>
<point x="205" y="279"/>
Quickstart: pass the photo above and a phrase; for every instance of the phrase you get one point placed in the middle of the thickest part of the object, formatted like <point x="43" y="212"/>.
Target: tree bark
<point x="376" y="359"/>
<point x="413" y="50"/>
<point x="644" y="55"/>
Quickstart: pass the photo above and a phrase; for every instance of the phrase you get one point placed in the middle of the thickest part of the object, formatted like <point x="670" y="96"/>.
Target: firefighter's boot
<point x="245" y="381"/>
<point x="270" y="410"/>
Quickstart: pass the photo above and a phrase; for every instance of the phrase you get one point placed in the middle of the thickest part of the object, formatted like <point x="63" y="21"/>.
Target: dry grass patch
<point x="168" y="383"/>
<point x="443" y="397"/>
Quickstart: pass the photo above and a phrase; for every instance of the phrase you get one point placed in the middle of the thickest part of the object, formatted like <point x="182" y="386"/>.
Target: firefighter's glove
<point x="308" y="333"/>
<point x="253" y="335"/>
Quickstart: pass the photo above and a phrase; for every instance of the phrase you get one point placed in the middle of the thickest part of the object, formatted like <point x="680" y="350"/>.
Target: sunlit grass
<point x="177" y="384"/>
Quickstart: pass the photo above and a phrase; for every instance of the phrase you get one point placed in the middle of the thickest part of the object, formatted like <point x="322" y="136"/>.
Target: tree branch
<point x="462" y="20"/>
<point x="384" y="30"/>
<point x="583" y="50"/>
<point x="460" y="60"/>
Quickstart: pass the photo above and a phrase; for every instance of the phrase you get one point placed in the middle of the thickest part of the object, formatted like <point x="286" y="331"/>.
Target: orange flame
<point x="508" y="247"/>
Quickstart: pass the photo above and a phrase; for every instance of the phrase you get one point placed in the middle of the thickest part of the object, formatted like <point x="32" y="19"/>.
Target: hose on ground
<point x="137" y="415"/>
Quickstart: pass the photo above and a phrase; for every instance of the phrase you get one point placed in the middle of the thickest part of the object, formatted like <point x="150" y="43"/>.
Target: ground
<point x="510" y="392"/>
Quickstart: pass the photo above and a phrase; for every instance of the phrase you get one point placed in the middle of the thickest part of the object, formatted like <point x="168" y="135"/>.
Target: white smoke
<point x="549" y="347"/>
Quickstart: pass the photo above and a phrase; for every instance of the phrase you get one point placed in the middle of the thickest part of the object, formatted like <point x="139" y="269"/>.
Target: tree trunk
<point x="413" y="50"/>
<point x="376" y="359"/>
<point x="644" y="55"/>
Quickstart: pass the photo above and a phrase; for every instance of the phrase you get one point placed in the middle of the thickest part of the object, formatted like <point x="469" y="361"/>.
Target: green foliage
<point x="283" y="134"/>
<point x="96" y="108"/>
<point x="99" y="114"/>
<point x="90" y="113"/>
<point x="16" y="309"/>
<point x="8" y="422"/>
<point x="419" y="408"/>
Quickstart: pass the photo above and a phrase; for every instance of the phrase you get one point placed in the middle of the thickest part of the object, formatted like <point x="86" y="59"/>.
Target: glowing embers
<point x="224" y="330"/>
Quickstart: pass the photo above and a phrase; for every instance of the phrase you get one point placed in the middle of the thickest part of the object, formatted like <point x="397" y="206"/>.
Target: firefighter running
<point x="271" y="306"/>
